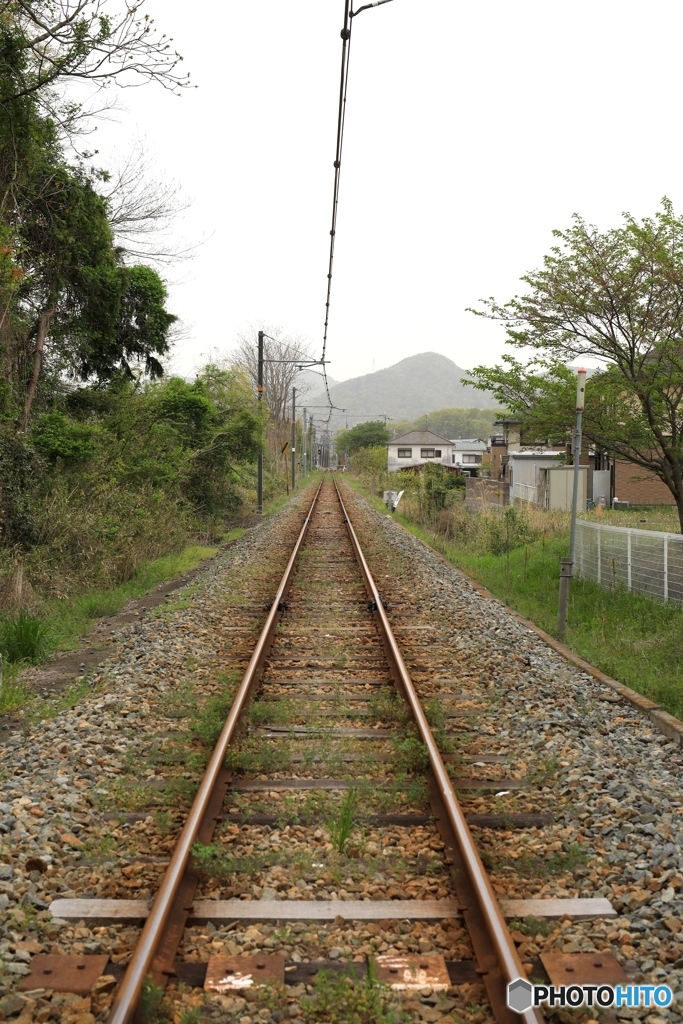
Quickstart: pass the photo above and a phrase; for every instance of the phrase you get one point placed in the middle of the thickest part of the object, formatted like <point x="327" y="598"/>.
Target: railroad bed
<point x="325" y="842"/>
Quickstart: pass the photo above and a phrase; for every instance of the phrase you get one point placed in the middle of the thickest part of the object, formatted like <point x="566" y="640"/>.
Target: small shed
<point x="417" y="448"/>
<point x="542" y="478"/>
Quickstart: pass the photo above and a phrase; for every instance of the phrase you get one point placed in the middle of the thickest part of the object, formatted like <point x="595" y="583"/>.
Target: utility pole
<point x="303" y="447"/>
<point x="259" y="474"/>
<point x="293" y="438"/>
<point x="567" y="564"/>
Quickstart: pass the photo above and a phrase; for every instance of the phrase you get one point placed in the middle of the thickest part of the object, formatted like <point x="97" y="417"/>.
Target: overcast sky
<point x="473" y="130"/>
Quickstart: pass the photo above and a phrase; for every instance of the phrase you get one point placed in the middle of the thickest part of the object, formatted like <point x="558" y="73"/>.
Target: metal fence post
<point x="599" y="532"/>
<point x="666" y="568"/>
<point x="628" y="559"/>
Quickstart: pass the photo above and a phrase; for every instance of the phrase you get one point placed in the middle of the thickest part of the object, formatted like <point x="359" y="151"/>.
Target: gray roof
<point x="420" y="437"/>
<point x="471" y="444"/>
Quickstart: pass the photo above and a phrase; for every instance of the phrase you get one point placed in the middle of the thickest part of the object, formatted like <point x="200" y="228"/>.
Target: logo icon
<point x="520" y="995"/>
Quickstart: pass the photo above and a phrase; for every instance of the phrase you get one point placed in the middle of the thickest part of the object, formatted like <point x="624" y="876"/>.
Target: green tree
<point x="100" y="315"/>
<point x="61" y="275"/>
<point x="364" y="435"/>
<point x="614" y="296"/>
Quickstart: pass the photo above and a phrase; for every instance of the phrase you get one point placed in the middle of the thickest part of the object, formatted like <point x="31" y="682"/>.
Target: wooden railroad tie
<point x="104" y="912"/>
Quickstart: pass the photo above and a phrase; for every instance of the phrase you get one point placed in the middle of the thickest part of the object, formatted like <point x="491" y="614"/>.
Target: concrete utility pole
<point x="293" y="438"/>
<point x="259" y="384"/>
<point x="303" y="448"/>
<point x="567" y="564"/>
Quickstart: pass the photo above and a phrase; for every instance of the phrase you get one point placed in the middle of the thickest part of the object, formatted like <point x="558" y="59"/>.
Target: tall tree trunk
<point x="43" y="327"/>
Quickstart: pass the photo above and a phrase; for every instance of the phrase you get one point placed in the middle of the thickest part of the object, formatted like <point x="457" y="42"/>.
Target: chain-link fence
<point x="646" y="562"/>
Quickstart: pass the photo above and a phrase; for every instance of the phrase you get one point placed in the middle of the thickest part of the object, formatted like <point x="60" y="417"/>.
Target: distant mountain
<point x="406" y="390"/>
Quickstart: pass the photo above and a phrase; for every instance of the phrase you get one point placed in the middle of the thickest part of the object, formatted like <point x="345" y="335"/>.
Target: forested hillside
<point x="104" y="462"/>
<point x="410" y="388"/>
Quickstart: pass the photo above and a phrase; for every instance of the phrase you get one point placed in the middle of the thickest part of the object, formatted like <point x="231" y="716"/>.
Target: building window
<point x="427" y="453"/>
<point x="471" y="458"/>
<point x="405" y="453"/>
<point x="437" y="453"/>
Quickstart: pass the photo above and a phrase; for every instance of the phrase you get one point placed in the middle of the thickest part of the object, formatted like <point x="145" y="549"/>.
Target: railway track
<point x="329" y="810"/>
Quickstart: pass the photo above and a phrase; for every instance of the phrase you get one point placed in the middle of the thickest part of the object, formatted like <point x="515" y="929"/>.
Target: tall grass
<point x="627" y="636"/>
<point x="341" y="826"/>
<point x="24" y="637"/>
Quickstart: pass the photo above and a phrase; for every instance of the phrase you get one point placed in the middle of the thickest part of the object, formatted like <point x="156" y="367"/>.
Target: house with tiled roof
<point x="418" y="448"/>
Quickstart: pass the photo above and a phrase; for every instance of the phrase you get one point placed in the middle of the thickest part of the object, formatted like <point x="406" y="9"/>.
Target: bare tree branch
<point x="83" y="39"/>
<point x="278" y="378"/>
<point x="142" y="208"/>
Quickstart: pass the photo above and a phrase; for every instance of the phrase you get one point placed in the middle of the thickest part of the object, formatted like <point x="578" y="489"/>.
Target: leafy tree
<point x="371" y="434"/>
<point x="101" y="316"/>
<point x="617" y="297"/>
<point x="62" y="277"/>
<point x="369" y="461"/>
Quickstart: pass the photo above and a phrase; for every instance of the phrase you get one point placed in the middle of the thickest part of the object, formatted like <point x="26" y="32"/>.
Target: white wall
<point x="561" y="488"/>
<point x="394" y="463"/>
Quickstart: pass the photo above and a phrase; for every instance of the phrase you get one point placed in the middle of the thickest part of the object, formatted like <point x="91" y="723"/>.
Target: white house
<point x="417" y="448"/>
<point x="468" y="453"/>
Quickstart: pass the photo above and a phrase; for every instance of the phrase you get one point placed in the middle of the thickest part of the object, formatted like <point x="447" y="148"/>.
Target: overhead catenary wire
<point x="349" y="15"/>
<point x="343" y="88"/>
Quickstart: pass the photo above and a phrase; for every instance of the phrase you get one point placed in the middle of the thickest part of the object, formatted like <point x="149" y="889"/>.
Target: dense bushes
<point x="121" y="475"/>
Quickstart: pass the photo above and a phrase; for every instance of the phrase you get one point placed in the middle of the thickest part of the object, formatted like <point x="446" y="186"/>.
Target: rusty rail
<point x="140" y="964"/>
<point x="498" y="935"/>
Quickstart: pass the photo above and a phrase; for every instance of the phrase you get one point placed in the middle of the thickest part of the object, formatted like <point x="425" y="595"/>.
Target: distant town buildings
<point x="536" y="474"/>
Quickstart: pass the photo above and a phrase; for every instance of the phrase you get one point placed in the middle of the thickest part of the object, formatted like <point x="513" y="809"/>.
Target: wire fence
<point x="643" y="561"/>
<point x="526" y="492"/>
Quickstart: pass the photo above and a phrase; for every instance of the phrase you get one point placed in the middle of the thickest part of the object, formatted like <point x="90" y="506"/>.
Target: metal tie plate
<point x="583" y="969"/>
<point x="411" y="973"/>
<point x="235" y="973"/>
<point x="65" y="972"/>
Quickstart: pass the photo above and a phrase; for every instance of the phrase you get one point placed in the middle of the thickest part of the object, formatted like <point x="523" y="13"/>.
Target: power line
<point x="343" y="86"/>
<point x="349" y="15"/>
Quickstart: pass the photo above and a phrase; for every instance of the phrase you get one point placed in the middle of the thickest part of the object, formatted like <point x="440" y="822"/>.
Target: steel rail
<point x="140" y="964"/>
<point x="498" y="933"/>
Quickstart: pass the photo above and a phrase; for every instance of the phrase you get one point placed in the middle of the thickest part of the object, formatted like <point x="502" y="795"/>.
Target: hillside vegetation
<point x="410" y="388"/>
<point x="452" y="423"/>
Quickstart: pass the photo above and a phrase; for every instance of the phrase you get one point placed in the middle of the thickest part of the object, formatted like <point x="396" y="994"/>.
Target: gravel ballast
<point x="84" y="791"/>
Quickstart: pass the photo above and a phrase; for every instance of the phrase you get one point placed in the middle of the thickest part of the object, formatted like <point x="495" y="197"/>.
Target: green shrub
<point x="58" y="437"/>
<point x="24" y="637"/>
<point x="509" y="531"/>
